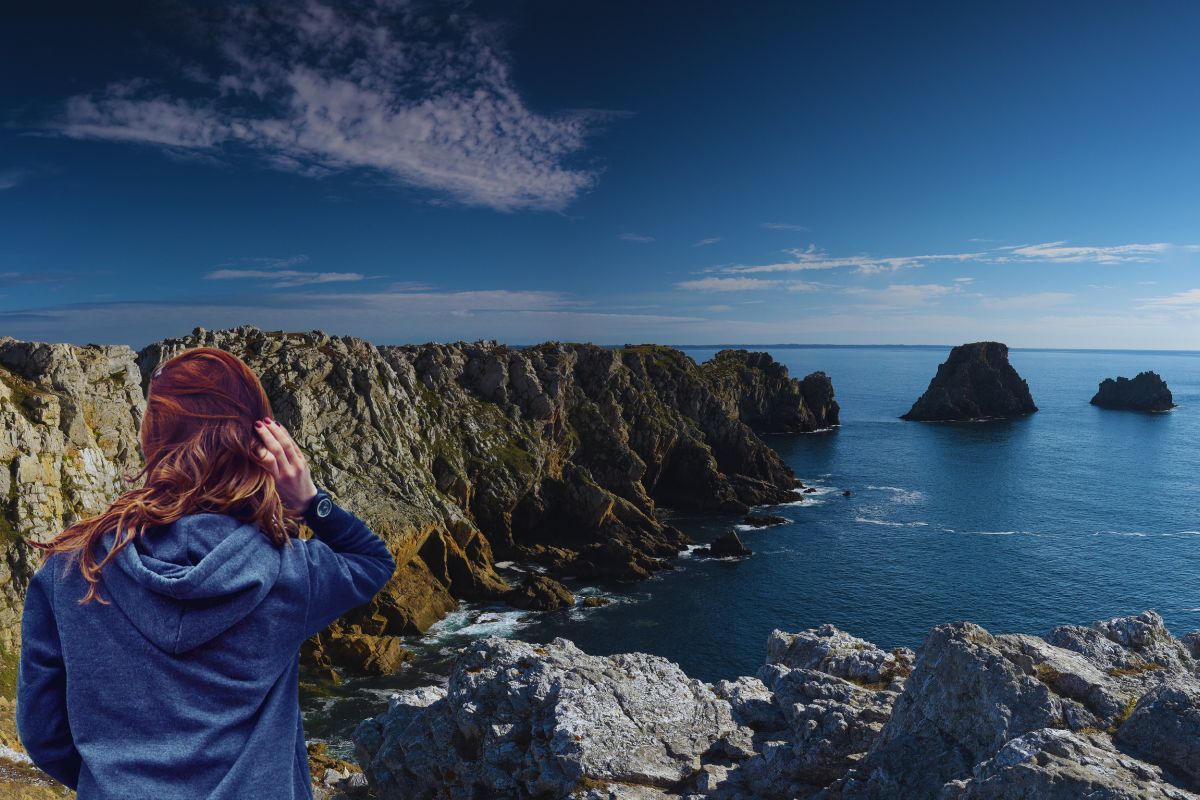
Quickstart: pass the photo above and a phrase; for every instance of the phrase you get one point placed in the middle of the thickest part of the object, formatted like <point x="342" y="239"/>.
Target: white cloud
<point x="1187" y="300"/>
<point x="811" y="258"/>
<point x="283" y="278"/>
<point x="905" y="294"/>
<point x="10" y="178"/>
<point x="707" y="242"/>
<point x="782" y="226"/>
<point x="320" y="89"/>
<point x="727" y="284"/>
<point x="635" y="237"/>
<point x="1026" y="301"/>
<point x="1061" y="252"/>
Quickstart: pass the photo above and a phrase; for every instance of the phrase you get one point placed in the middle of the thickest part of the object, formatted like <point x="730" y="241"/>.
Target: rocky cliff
<point x="457" y="454"/>
<point x="975" y="382"/>
<point x="1146" y="392"/>
<point x="1108" y="711"/>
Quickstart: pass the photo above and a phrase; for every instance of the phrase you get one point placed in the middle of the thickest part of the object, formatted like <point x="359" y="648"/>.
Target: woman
<point x="160" y="639"/>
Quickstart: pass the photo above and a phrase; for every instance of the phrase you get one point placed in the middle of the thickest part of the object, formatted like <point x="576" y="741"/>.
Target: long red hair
<point x="200" y="447"/>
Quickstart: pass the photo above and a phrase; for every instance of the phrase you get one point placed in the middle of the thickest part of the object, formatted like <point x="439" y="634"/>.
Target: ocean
<point x="1065" y="516"/>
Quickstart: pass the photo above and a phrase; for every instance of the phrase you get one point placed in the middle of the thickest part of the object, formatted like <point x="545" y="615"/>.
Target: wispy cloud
<point x="1027" y="301"/>
<point x="707" y="242"/>
<point x="284" y="278"/>
<point x="782" y="226"/>
<point x="38" y="277"/>
<point x="320" y="89"/>
<point x="10" y="178"/>
<point x="268" y="262"/>
<point x="727" y="284"/>
<point x="903" y="295"/>
<point x="635" y="237"/>
<point x="1187" y="300"/>
<point x="813" y="258"/>
<point x="1061" y="252"/>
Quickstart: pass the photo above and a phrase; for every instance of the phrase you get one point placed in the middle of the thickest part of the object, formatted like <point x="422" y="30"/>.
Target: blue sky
<point x="841" y="172"/>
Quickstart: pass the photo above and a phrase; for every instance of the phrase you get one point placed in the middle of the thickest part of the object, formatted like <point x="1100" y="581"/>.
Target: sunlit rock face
<point x="1106" y="711"/>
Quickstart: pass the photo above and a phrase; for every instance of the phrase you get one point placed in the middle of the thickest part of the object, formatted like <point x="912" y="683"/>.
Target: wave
<point x="475" y="623"/>
<point x="890" y="523"/>
<point x="743" y="527"/>
<point x="901" y="495"/>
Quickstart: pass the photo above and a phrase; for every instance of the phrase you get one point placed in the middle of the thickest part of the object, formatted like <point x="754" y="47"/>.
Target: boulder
<point x="540" y="593"/>
<point x="519" y="720"/>
<point x="1146" y="392"/>
<point x="975" y="382"/>
<point x="727" y="545"/>
<point x="764" y="520"/>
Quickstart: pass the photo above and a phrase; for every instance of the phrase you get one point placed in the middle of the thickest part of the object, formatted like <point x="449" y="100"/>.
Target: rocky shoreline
<point x="1108" y="711"/>
<point x="458" y="455"/>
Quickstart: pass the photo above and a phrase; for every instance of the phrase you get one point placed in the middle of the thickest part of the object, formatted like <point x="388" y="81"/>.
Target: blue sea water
<point x="1068" y="515"/>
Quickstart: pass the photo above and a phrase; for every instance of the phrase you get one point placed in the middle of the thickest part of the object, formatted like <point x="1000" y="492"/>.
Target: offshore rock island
<point x="1108" y="711"/>
<point x="976" y="382"/>
<point x="1146" y="392"/>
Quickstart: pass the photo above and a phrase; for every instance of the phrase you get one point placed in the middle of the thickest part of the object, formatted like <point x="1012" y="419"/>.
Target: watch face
<point x="324" y="507"/>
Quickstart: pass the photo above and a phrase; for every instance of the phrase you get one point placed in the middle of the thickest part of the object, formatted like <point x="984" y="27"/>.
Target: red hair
<point x="200" y="446"/>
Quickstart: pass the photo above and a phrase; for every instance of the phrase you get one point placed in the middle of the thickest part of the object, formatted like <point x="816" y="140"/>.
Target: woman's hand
<point x="282" y="458"/>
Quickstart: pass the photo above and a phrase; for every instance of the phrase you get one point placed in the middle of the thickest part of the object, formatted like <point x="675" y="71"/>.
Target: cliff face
<point x="1146" y="392"/>
<point x="757" y="389"/>
<point x="975" y="382"/>
<point x="456" y="454"/>
<point x="1107" y="711"/>
<point x="69" y="423"/>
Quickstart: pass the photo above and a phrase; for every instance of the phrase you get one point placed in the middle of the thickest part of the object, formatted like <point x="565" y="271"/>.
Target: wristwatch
<point x="320" y="507"/>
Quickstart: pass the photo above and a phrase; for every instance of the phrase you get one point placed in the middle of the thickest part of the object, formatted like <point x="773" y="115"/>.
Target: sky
<point x="700" y="173"/>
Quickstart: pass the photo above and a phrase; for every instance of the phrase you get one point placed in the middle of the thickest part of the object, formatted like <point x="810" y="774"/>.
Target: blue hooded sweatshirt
<point x="186" y="685"/>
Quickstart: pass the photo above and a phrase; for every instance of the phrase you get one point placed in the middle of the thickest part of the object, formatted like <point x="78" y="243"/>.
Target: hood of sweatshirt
<point x="185" y="583"/>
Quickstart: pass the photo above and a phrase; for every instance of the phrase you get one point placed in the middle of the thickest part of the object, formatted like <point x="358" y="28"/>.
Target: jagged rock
<point x="975" y="382"/>
<point x="964" y="699"/>
<point x="764" y="520"/>
<point x="838" y="653"/>
<point x="558" y="453"/>
<point x="69" y="424"/>
<point x="1165" y="728"/>
<point x="520" y="720"/>
<point x="727" y="545"/>
<point x="760" y="392"/>
<point x="829" y="723"/>
<point x="540" y="593"/>
<point x="364" y="653"/>
<point x="595" y="602"/>
<point x="1055" y="764"/>
<point x="1146" y="392"/>
<point x="828" y="717"/>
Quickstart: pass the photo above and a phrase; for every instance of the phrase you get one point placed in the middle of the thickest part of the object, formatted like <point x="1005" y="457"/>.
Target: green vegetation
<point x="1137" y="669"/>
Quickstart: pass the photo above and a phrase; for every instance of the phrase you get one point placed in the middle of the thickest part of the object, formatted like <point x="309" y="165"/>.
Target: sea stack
<point x="975" y="382"/>
<point x="1147" y="392"/>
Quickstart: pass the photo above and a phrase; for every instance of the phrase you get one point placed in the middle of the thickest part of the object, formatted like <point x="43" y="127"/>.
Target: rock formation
<point x="1147" y="392"/>
<point x="1106" y="711"/>
<point x="975" y="382"/>
<point x="454" y="453"/>
<point x="727" y="545"/>
<point x="758" y="391"/>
